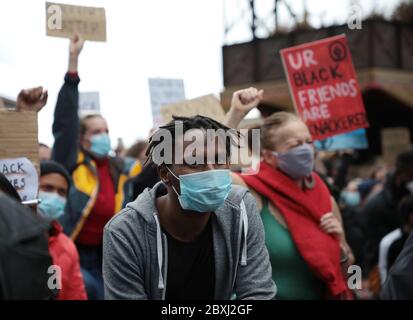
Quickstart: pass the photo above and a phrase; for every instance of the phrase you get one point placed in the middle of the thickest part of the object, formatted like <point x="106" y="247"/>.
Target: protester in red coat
<point x="64" y="254"/>
<point x="53" y="190"/>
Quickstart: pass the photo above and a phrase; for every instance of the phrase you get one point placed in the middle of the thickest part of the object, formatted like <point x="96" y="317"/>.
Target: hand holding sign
<point x="76" y="45"/>
<point x="31" y="99"/>
<point x="75" y="48"/>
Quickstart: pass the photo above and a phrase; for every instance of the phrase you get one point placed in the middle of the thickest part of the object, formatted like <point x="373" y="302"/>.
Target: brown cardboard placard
<point x="394" y="141"/>
<point x="208" y="106"/>
<point x="18" y="136"/>
<point x="89" y="22"/>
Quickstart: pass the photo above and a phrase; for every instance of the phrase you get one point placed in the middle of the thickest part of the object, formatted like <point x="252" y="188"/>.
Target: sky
<point x="145" y="39"/>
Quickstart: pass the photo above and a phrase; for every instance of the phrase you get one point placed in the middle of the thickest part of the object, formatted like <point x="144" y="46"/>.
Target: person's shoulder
<point x="60" y="243"/>
<point x="131" y="222"/>
<point x="376" y="203"/>
<point x="128" y="228"/>
<point x="237" y="180"/>
<point x="68" y="245"/>
<point x="241" y="195"/>
<point x="249" y="198"/>
<point x="236" y="195"/>
<point x="125" y="217"/>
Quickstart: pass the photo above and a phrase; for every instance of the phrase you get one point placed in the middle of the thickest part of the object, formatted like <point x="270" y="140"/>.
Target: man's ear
<point x="163" y="174"/>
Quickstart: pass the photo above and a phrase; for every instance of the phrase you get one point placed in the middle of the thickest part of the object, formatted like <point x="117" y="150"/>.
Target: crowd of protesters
<point x="136" y="226"/>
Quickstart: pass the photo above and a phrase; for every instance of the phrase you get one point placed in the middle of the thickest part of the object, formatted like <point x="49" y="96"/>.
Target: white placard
<point x="164" y="92"/>
<point x="89" y="102"/>
<point x="22" y="175"/>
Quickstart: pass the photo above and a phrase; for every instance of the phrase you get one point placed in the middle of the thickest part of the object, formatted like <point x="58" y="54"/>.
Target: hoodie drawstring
<point x="244" y="226"/>
<point x="159" y="248"/>
<point x="159" y="242"/>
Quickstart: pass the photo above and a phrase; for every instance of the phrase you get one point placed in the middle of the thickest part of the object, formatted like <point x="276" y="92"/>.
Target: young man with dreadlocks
<point x="193" y="235"/>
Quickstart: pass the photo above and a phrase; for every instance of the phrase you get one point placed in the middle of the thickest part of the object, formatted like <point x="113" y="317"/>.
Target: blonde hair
<point x="272" y="123"/>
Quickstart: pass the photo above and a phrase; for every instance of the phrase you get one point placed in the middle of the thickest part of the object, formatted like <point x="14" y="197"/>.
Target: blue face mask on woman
<point x="52" y="205"/>
<point x="100" y="144"/>
<point x="203" y="191"/>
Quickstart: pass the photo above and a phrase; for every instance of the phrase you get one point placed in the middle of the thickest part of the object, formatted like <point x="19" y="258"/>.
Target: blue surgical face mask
<point x="298" y="162"/>
<point x="203" y="191"/>
<point x="100" y="144"/>
<point x="52" y="205"/>
<point x="351" y="198"/>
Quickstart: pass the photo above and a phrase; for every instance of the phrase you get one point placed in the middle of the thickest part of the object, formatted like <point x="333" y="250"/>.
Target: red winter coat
<point x="64" y="254"/>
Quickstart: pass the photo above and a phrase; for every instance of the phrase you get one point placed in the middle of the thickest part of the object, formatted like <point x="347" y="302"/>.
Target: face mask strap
<point x="175" y="191"/>
<point x="175" y="178"/>
<point x="275" y="153"/>
<point x="172" y="172"/>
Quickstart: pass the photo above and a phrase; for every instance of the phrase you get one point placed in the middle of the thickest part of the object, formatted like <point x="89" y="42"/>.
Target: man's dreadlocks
<point x="196" y="122"/>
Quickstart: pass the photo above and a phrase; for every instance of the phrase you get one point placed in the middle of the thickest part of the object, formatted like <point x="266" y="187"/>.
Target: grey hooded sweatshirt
<point x="135" y="251"/>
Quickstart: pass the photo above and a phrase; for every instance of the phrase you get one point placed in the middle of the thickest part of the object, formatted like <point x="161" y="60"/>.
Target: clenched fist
<point x="247" y="99"/>
<point x="31" y="99"/>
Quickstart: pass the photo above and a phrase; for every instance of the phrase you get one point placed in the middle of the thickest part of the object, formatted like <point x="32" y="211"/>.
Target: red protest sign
<point x="324" y="87"/>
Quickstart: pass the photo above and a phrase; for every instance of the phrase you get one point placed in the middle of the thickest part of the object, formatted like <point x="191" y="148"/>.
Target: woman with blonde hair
<point x="304" y="234"/>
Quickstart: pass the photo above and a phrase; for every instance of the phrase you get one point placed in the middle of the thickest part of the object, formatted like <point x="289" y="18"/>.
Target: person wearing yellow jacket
<point x="101" y="184"/>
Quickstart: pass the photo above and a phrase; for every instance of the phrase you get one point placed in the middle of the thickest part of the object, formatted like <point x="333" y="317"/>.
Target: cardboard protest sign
<point x="324" y="87"/>
<point x="64" y="20"/>
<point x="164" y="92"/>
<point x="208" y="106"/>
<point x="89" y="103"/>
<point x="22" y="175"/>
<point x="18" y="136"/>
<point x="394" y="141"/>
<point x="352" y="140"/>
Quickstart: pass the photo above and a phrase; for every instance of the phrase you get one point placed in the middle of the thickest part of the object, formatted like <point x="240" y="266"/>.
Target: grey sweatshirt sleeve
<point x="254" y="280"/>
<point x="122" y="271"/>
